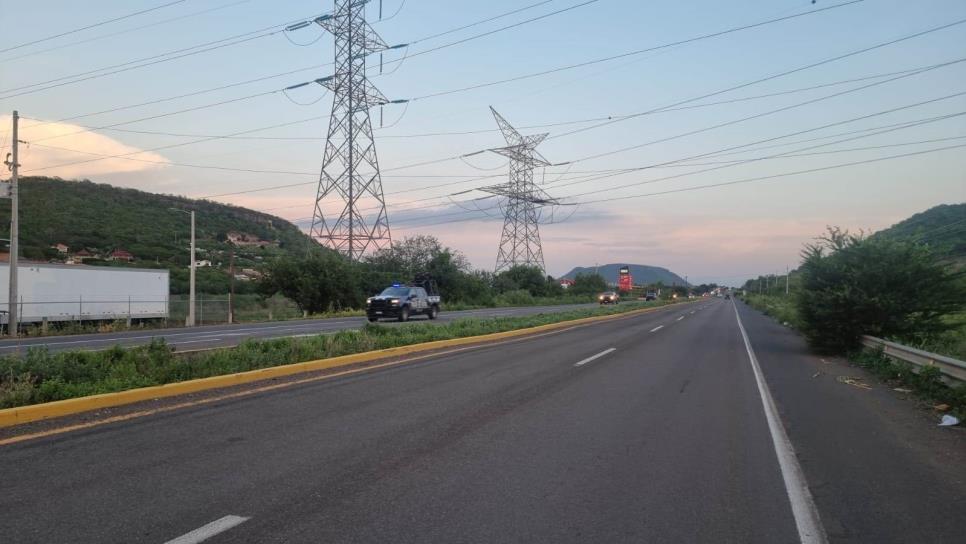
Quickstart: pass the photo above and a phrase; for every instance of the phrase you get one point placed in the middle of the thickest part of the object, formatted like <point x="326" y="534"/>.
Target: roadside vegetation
<point x="851" y="285"/>
<point x="41" y="376"/>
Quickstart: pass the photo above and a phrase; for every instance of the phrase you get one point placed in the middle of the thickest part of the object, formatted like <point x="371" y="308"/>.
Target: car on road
<point x="402" y="302"/>
<point x="609" y="297"/>
<point x="650" y="295"/>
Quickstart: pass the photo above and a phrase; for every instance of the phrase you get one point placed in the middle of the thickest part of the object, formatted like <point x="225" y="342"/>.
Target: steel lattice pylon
<point x="520" y="242"/>
<point x="350" y="168"/>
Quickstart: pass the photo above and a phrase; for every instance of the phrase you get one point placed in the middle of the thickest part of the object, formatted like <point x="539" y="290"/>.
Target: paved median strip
<point x="595" y="357"/>
<point x="207" y="531"/>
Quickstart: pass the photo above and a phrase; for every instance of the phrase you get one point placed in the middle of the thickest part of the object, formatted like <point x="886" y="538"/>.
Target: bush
<point x="853" y="285"/>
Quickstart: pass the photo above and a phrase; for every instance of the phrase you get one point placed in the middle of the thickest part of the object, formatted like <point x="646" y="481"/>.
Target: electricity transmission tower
<point x="350" y="169"/>
<point x="520" y="242"/>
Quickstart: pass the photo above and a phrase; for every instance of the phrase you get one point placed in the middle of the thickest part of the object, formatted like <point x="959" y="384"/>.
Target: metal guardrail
<point x="950" y="368"/>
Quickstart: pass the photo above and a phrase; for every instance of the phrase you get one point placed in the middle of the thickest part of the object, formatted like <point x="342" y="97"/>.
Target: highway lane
<point x="212" y="336"/>
<point x="646" y="429"/>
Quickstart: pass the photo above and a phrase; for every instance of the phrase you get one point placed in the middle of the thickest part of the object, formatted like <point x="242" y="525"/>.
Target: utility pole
<point x="190" y="320"/>
<point x="786" y="281"/>
<point x="13" y="322"/>
<point x="191" y="288"/>
<point x="231" y="287"/>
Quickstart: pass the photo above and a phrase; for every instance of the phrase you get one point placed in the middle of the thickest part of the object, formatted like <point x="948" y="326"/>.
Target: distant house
<point x="81" y="255"/>
<point x="242" y="239"/>
<point x="566" y="284"/>
<point x="120" y="255"/>
<point x="202" y="263"/>
<point x="61" y="248"/>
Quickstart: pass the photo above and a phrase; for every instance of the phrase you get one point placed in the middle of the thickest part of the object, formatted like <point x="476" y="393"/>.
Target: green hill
<point x="642" y="274"/>
<point x="943" y="228"/>
<point x="98" y="219"/>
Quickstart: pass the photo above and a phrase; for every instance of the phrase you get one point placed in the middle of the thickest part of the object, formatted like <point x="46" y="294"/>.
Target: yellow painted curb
<point x="36" y="412"/>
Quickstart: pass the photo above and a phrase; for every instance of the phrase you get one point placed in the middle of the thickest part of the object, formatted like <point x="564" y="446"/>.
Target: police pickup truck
<point x="403" y="301"/>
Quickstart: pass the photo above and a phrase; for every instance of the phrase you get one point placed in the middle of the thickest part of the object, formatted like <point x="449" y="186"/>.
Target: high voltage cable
<point x="727" y="31"/>
<point x="126" y="31"/>
<point x="625" y="171"/>
<point x="88" y="27"/>
<point x="780" y="74"/>
<point x="477" y="23"/>
<point x="771" y="112"/>
<point x="742" y="162"/>
<point x="782" y="155"/>
<point x="632" y="53"/>
<point x="729" y="183"/>
<point x="275" y="75"/>
<point x="482" y="131"/>
<point x="776" y="176"/>
<point x="148" y="61"/>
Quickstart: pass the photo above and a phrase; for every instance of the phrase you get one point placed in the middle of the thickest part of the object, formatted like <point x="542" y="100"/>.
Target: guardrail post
<point x="129" y="311"/>
<point x="43" y="326"/>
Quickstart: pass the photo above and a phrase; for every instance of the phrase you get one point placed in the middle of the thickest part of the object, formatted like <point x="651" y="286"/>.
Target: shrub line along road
<point x="645" y="429"/>
<point x="217" y="336"/>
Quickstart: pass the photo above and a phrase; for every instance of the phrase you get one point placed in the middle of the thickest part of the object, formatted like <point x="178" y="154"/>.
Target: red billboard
<point x="624" y="280"/>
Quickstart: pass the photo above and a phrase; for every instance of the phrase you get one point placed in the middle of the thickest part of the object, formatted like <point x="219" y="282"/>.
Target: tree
<point x="528" y="278"/>
<point x="853" y="285"/>
<point x="319" y="282"/>
<point x="588" y="284"/>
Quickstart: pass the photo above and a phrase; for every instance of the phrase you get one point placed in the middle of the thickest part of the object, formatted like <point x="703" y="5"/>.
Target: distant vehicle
<point x="650" y="295"/>
<point x="727" y="296"/>
<point x="401" y="302"/>
<point x="610" y="297"/>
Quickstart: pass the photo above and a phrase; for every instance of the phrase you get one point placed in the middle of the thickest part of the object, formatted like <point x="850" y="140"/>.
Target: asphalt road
<point x="214" y="336"/>
<point x="646" y="429"/>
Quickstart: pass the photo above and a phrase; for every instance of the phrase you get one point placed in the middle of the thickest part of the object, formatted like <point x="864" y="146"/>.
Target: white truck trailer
<point x="54" y="292"/>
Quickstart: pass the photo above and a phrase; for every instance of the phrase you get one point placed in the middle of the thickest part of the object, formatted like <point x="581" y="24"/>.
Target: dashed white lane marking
<point x="595" y="357"/>
<point x="204" y="533"/>
<point x="659" y="327"/>
<point x="680" y="318"/>
<point x="807" y="520"/>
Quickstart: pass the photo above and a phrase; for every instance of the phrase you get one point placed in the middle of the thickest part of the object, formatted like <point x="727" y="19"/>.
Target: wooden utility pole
<point x="13" y="321"/>
<point x="231" y="287"/>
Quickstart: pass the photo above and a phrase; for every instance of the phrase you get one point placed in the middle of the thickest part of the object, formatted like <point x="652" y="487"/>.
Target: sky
<point x="626" y="184"/>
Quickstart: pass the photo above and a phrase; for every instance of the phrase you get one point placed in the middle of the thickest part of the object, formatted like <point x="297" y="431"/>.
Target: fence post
<point x="129" y="311"/>
<point x="43" y="326"/>
<point x="80" y="307"/>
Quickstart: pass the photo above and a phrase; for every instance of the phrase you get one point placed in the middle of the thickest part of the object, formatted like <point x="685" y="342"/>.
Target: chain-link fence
<point x="111" y="313"/>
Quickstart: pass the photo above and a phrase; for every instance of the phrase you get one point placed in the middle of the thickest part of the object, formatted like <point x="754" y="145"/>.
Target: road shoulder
<point x="878" y="466"/>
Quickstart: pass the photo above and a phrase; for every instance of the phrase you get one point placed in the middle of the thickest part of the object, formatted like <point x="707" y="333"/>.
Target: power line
<point x="88" y="27"/>
<point x="729" y="183"/>
<point x="125" y="31"/>
<point x="777" y="176"/>
<point x="781" y="74"/>
<point x="480" y="131"/>
<point x="146" y="61"/>
<point x="631" y="53"/>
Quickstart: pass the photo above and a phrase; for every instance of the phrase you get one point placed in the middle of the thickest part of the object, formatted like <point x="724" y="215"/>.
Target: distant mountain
<point x="943" y="228"/>
<point x="93" y="220"/>
<point x="642" y="273"/>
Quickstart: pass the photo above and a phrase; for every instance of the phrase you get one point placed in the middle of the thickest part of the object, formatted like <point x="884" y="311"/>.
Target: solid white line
<point x="807" y="520"/>
<point x="594" y="357"/>
<point x="659" y="327"/>
<point x="204" y="533"/>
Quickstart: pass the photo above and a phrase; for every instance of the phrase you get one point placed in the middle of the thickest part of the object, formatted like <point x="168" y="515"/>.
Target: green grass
<point x="41" y="376"/>
<point x="926" y="383"/>
<point x="782" y="308"/>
